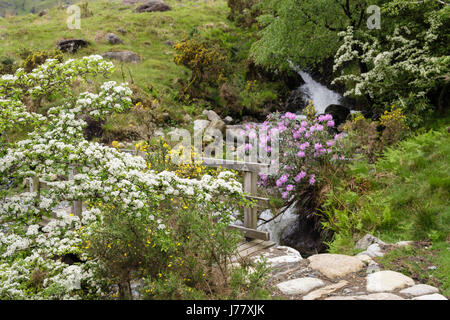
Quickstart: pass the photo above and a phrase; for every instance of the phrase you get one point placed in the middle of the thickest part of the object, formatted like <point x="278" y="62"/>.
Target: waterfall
<point x="277" y="225"/>
<point x="321" y="96"/>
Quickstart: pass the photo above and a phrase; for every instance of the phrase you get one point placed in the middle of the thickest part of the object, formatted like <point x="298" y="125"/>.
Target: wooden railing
<point x="250" y="169"/>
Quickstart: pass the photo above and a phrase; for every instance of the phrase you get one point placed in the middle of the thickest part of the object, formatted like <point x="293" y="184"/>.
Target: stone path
<point x="340" y="277"/>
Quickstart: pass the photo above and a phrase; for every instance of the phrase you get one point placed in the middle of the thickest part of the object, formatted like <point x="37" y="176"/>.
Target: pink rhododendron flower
<point x="300" y="154"/>
<point x="300" y="176"/>
<point x="312" y="179"/>
<point x="304" y="145"/>
<point x="330" y="123"/>
<point x="289" y="187"/>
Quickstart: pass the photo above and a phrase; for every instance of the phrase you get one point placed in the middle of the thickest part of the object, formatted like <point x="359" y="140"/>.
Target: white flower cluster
<point x="402" y="58"/>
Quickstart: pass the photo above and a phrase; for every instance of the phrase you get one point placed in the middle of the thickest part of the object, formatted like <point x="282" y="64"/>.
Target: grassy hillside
<point x="148" y="34"/>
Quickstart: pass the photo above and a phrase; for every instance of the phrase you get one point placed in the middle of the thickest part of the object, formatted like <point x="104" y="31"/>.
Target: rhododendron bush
<point x="305" y="148"/>
<point x="32" y="254"/>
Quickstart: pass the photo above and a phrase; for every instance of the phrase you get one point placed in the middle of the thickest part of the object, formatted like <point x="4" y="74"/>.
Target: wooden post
<point x="35" y="186"/>
<point x="250" y="214"/>
<point x="77" y="205"/>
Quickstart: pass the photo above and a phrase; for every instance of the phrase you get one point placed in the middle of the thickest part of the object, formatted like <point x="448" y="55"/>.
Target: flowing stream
<point x="321" y="96"/>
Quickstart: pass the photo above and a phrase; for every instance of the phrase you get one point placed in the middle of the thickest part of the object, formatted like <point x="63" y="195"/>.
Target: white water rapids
<point x="321" y="96"/>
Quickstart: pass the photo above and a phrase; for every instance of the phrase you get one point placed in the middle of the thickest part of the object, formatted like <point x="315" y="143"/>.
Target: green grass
<point x="403" y="196"/>
<point x="429" y="264"/>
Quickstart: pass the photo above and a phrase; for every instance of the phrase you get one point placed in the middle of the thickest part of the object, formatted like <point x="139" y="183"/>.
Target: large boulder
<point x="335" y="265"/>
<point x="125" y="56"/>
<point x="153" y="6"/>
<point x="385" y="281"/>
<point x="71" y="45"/>
<point x="339" y="113"/>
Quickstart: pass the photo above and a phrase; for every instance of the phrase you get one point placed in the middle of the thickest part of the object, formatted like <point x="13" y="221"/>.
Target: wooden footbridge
<point x="254" y="240"/>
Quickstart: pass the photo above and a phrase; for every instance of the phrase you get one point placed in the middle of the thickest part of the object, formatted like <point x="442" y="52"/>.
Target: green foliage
<point x="404" y="195"/>
<point x="192" y="263"/>
<point x="243" y="12"/>
<point x="369" y="138"/>
<point x="7" y="65"/>
<point x="303" y="31"/>
<point x="36" y="58"/>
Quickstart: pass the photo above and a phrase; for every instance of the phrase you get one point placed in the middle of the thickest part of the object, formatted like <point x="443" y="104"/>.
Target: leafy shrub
<point x="402" y="68"/>
<point x="403" y="195"/>
<point x="243" y="12"/>
<point x="369" y="138"/>
<point x="205" y="60"/>
<point x="36" y="58"/>
<point x="7" y="65"/>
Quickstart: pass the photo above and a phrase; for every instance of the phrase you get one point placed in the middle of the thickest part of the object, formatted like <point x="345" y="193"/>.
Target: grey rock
<point x="374" y="250"/>
<point x="385" y="281"/>
<point x="169" y="43"/>
<point x="212" y="116"/>
<point x="280" y="255"/>
<point x="372" y="267"/>
<point x="366" y="241"/>
<point x="125" y="56"/>
<point x="420" y="290"/>
<point x="217" y="125"/>
<point x="71" y="45"/>
<point x="228" y="119"/>
<point x="113" y="38"/>
<point x="299" y="285"/>
<point x="434" y="296"/>
<point x="153" y="6"/>
<point x="335" y="265"/>
<point x="200" y="124"/>
<point x="317" y="294"/>
<point x="380" y="296"/>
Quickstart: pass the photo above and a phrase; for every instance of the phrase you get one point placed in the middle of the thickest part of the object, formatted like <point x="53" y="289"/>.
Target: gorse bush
<point x="207" y="63"/>
<point x="369" y="138"/>
<point x="34" y="59"/>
